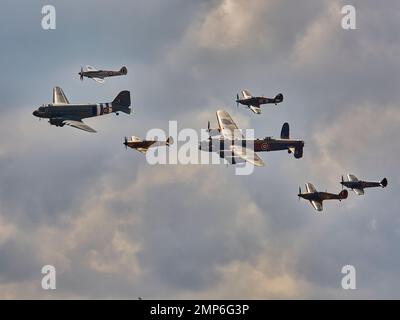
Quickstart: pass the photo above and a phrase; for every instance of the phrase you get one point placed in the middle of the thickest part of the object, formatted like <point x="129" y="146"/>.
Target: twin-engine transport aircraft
<point x="61" y="112"/>
<point x="144" y="145"/>
<point x="358" y="186"/>
<point x="235" y="148"/>
<point x="99" y="75"/>
<point x="254" y="103"/>
<point x="316" y="197"/>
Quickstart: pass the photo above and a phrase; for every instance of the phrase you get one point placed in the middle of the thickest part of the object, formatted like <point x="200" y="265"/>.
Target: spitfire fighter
<point x="235" y="148"/>
<point x="144" y="145"/>
<point x="316" y="198"/>
<point x="254" y="103"/>
<point x="61" y="112"/>
<point x="99" y="75"/>
<point x="358" y="186"/>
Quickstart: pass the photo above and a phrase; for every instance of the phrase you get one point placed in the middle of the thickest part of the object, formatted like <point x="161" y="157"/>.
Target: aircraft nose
<point x="35" y="113"/>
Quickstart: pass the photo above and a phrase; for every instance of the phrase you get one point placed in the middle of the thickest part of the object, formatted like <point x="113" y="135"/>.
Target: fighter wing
<point x="359" y="192"/>
<point x="352" y="177"/>
<point x="246" y="94"/>
<point x="90" y="68"/>
<point x="317" y="205"/>
<point x="79" y="125"/>
<point x="310" y="187"/>
<point x="227" y="126"/>
<point x="98" y="80"/>
<point x="255" y="109"/>
<point x="247" y="155"/>
<point x="59" y="96"/>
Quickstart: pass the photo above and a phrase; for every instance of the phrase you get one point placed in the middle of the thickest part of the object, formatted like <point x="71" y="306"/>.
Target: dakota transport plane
<point x="61" y="112"/>
<point x="235" y="148"/>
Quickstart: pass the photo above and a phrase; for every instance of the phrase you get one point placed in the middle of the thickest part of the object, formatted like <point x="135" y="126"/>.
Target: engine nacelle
<point x="57" y="122"/>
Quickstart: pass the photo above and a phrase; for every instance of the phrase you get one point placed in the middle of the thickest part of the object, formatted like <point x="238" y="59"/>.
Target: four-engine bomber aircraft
<point x="99" y="75"/>
<point x="61" y="112"/>
<point x="144" y="145"/>
<point x="358" y="186"/>
<point x="235" y="148"/>
<point x="254" y="103"/>
<point x="316" y="197"/>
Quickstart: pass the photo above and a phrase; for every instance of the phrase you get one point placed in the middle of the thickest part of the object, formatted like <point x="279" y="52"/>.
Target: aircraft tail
<point x="285" y="131"/>
<point x="123" y="101"/>
<point x="278" y="98"/>
<point x="123" y="70"/>
<point x="384" y="182"/>
<point x="343" y="194"/>
<point x="169" y="141"/>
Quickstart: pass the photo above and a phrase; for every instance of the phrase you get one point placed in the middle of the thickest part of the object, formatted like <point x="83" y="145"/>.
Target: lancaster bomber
<point x="144" y="145"/>
<point x="254" y="103"/>
<point x="316" y="198"/>
<point x="235" y="148"/>
<point x="99" y="75"/>
<point x="61" y="112"/>
<point x="358" y="186"/>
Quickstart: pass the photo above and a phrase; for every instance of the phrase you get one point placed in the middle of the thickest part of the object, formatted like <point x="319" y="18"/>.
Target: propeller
<point x="299" y="193"/>
<point x="126" y="143"/>
<point x="342" y="182"/>
<point x="237" y="100"/>
<point x="209" y="130"/>
<point x="81" y="74"/>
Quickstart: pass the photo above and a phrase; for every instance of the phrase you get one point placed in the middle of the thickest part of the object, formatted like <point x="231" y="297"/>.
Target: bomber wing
<point x="59" y="96"/>
<point x="247" y="155"/>
<point x="227" y="126"/>
<point x="79" y="125"/>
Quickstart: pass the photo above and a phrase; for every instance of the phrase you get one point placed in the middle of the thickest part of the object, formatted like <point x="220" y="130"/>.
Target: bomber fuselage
<point x="258" y="145"/>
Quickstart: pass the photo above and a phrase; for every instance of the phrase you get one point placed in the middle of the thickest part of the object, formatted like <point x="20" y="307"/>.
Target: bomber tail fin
<point x="384" y="182"/>
<point x="285" y="131"/>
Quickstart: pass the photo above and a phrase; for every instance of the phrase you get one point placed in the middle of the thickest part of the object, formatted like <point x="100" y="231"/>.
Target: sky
<point x="115" y="227"/>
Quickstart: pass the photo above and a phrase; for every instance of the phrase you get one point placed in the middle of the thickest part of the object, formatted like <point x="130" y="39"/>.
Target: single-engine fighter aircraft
<point x="99" y="75"/>
<point x="144" y="145"/>
<point x="235" y="148"/>
<point x="358" y="186"/>
<point x="254" y="103"/>
<point x="316" y="197"/>
<point x="61" y="112"/>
